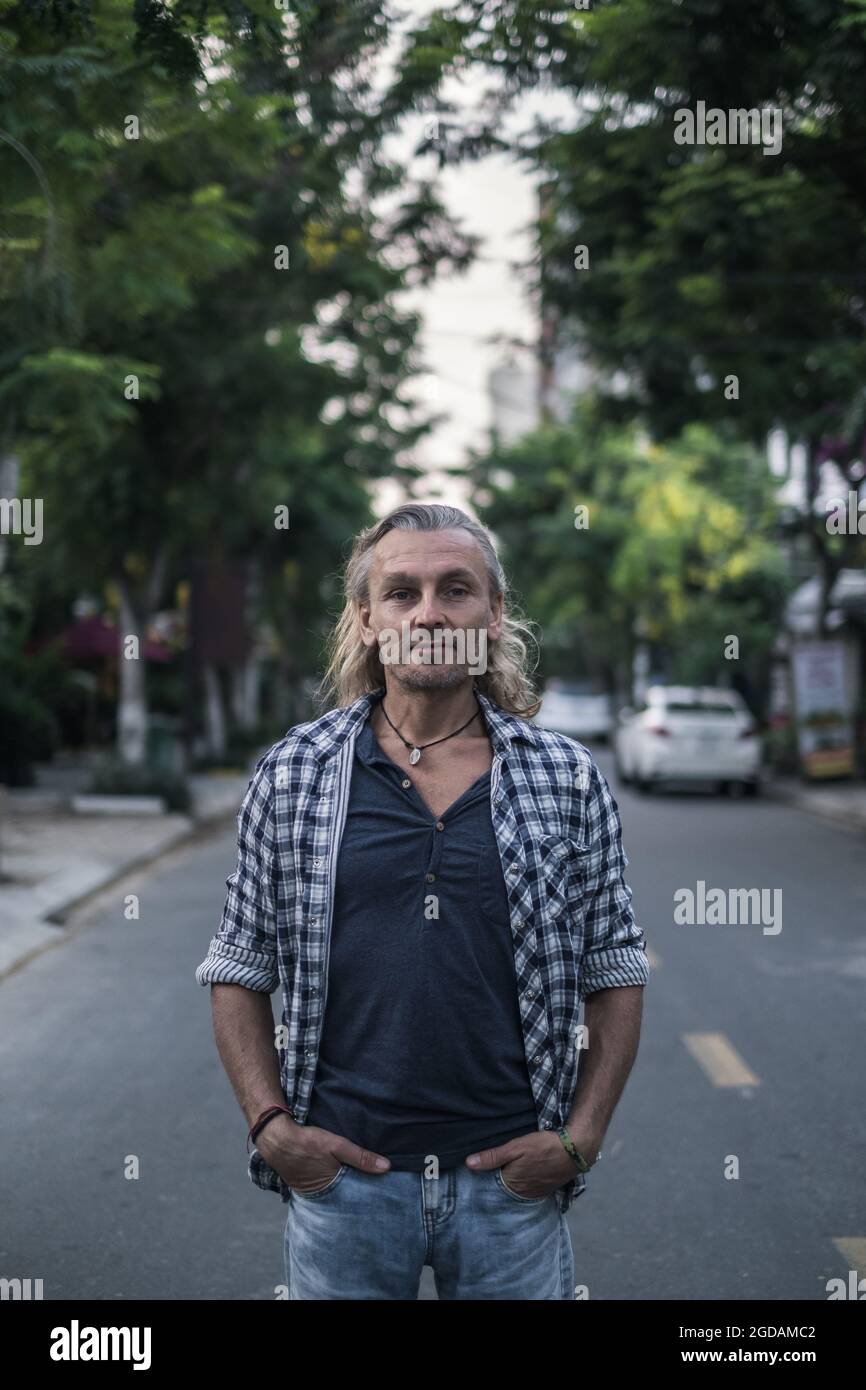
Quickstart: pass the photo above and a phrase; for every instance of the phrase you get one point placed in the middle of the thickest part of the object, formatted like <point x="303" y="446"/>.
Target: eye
<point x="396" y="594"/>
<point x="459" y="589"/>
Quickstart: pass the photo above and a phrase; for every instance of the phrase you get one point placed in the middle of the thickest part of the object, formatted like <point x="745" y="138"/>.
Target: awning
<point x="847" y="602"/>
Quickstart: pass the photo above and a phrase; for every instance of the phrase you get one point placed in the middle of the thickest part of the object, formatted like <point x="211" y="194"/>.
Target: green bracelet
<point x="573" y="1152"/>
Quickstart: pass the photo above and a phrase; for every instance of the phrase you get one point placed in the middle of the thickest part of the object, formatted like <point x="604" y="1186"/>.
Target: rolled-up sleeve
<point x="615" y="946"/>
<point x="244" y="949"/>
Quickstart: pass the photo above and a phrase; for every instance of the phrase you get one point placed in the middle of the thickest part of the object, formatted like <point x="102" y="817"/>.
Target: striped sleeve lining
<point x="237" y="965"/>
<point x="613" y="966"/>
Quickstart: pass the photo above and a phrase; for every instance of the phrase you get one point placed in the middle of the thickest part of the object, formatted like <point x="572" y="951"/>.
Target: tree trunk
<point x="214" y="712"/>
<point x="246" y="689"/>
<point x="8" y="488"/>
<point x="132" y="684"/>
<point x="135" y="611"/>
<point x="827" y="564"/>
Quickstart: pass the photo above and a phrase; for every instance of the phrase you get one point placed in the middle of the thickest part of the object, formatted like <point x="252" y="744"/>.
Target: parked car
<point x="574" y="710"/>
<point x="684" y="733"/>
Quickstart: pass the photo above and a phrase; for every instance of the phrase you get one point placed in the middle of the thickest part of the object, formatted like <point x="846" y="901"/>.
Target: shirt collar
<point x="367" y="746"/>
<point x="505" y="729"/>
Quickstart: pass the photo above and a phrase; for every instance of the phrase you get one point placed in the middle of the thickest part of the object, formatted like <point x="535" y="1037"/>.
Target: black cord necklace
<point x="416" y="752"/>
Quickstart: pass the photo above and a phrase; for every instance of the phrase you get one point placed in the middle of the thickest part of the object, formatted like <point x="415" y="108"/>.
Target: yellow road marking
<point x="719" y="1059"/>
<point x="853" y="1251"/>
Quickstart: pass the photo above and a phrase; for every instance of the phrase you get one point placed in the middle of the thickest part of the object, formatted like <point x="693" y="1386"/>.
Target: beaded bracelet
<point x="573" y="1152"/>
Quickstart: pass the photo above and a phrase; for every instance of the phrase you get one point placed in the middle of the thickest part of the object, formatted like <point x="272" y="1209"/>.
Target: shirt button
<point x="314" y="922"/>
<point x="514" y="870"/>
<point x="309" y="1054"/>
<point x="317" y="863"/>
<point x="430" y="878"/>
<point x="405" y="783"/>
<point x="530" y="994"/>
<point x="440" y="825"/>
<point x="547" y="1125"/>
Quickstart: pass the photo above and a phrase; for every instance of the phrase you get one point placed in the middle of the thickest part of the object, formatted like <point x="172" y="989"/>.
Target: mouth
<point x="428" y="656"/>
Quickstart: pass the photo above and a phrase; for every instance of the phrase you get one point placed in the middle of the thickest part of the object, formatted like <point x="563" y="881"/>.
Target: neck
<point x="425" y="715"/>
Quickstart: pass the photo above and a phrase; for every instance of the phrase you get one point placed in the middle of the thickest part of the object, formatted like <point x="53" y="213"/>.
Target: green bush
<point x="242" y="748"/>
<point x="28" y="734"/>
<point x="780" y="749"/>
<point x="114" y="778"/>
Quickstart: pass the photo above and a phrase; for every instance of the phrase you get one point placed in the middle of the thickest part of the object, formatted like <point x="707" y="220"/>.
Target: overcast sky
<point x="495" y="199"/>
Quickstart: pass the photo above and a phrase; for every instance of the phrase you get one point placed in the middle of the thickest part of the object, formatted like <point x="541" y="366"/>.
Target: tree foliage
<point x="199" y="300"/>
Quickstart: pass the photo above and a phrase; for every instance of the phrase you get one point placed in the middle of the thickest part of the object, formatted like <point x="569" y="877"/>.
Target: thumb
<point x="491" y="1158"/>
<point x="356" y="1157"/>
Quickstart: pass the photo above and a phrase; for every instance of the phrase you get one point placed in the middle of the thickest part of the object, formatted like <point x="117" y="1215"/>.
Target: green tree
<point x="189" y="214"/>
<point x="705" y="262"/>
<point x="607" y="537"/>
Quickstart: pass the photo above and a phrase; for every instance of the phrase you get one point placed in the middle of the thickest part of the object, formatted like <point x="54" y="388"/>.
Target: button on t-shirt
<point x="422" y="1047"/>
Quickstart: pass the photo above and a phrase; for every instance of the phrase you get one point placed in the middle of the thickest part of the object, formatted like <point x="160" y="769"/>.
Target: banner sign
<point x="825" y="723"/>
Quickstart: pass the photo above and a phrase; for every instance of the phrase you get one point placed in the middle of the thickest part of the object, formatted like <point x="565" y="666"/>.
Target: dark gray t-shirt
<point x="422" y="1050"/>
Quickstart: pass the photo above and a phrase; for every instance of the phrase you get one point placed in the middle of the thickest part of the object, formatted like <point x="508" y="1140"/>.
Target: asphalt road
<point x="106" y="1051"/>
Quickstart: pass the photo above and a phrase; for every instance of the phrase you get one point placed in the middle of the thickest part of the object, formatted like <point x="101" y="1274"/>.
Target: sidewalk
<point x="842" y="802"/>
<point x="52" y="859"/>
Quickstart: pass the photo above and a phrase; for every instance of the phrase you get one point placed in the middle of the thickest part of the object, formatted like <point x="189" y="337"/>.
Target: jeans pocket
<point x="515" y="1196"/>
<point x="329" y="1186"/>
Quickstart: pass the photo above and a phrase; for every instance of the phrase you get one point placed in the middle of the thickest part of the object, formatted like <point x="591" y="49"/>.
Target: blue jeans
<point x="365" y="1236"/>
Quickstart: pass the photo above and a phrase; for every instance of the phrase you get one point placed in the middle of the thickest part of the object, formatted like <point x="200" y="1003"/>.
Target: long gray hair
<point x="354" y="669"/>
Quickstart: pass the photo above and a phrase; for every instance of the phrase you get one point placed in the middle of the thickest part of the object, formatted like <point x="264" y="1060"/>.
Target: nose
<point x="429" y="610"/>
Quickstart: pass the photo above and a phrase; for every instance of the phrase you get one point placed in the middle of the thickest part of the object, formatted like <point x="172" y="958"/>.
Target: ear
<point x="368" y="635"/>
<point x="494" y="625"/>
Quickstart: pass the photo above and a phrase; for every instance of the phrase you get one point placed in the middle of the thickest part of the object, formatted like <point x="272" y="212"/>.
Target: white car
<point x="683" y="733"/>
<point x="576" y="712"/>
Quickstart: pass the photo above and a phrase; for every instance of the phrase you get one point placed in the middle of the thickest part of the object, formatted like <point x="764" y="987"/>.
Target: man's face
<point x="424" y="583"/>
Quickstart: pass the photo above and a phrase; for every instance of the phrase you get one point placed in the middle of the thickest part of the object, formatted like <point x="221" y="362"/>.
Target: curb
<point x="45" y="931"/>
<point x="850" y="817"/>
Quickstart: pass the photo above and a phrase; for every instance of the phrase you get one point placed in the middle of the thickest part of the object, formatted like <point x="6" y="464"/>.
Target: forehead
<point x="427" y="550"/>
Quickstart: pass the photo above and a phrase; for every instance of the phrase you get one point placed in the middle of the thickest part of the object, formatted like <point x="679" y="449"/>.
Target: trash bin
<point x="164" y="744"/>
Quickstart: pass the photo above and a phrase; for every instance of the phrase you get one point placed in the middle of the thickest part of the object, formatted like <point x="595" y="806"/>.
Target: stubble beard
<point x="430" y="677"/>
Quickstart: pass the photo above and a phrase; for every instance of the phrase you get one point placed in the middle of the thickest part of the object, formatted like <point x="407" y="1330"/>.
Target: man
<point x="436" y="884"/>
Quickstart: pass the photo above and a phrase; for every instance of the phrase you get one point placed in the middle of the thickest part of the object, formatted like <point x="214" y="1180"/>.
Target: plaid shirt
<point x="558" y="831"/>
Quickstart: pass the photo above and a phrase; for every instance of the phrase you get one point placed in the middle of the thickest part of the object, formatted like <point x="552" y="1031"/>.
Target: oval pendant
<point x="414" y="755"/>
